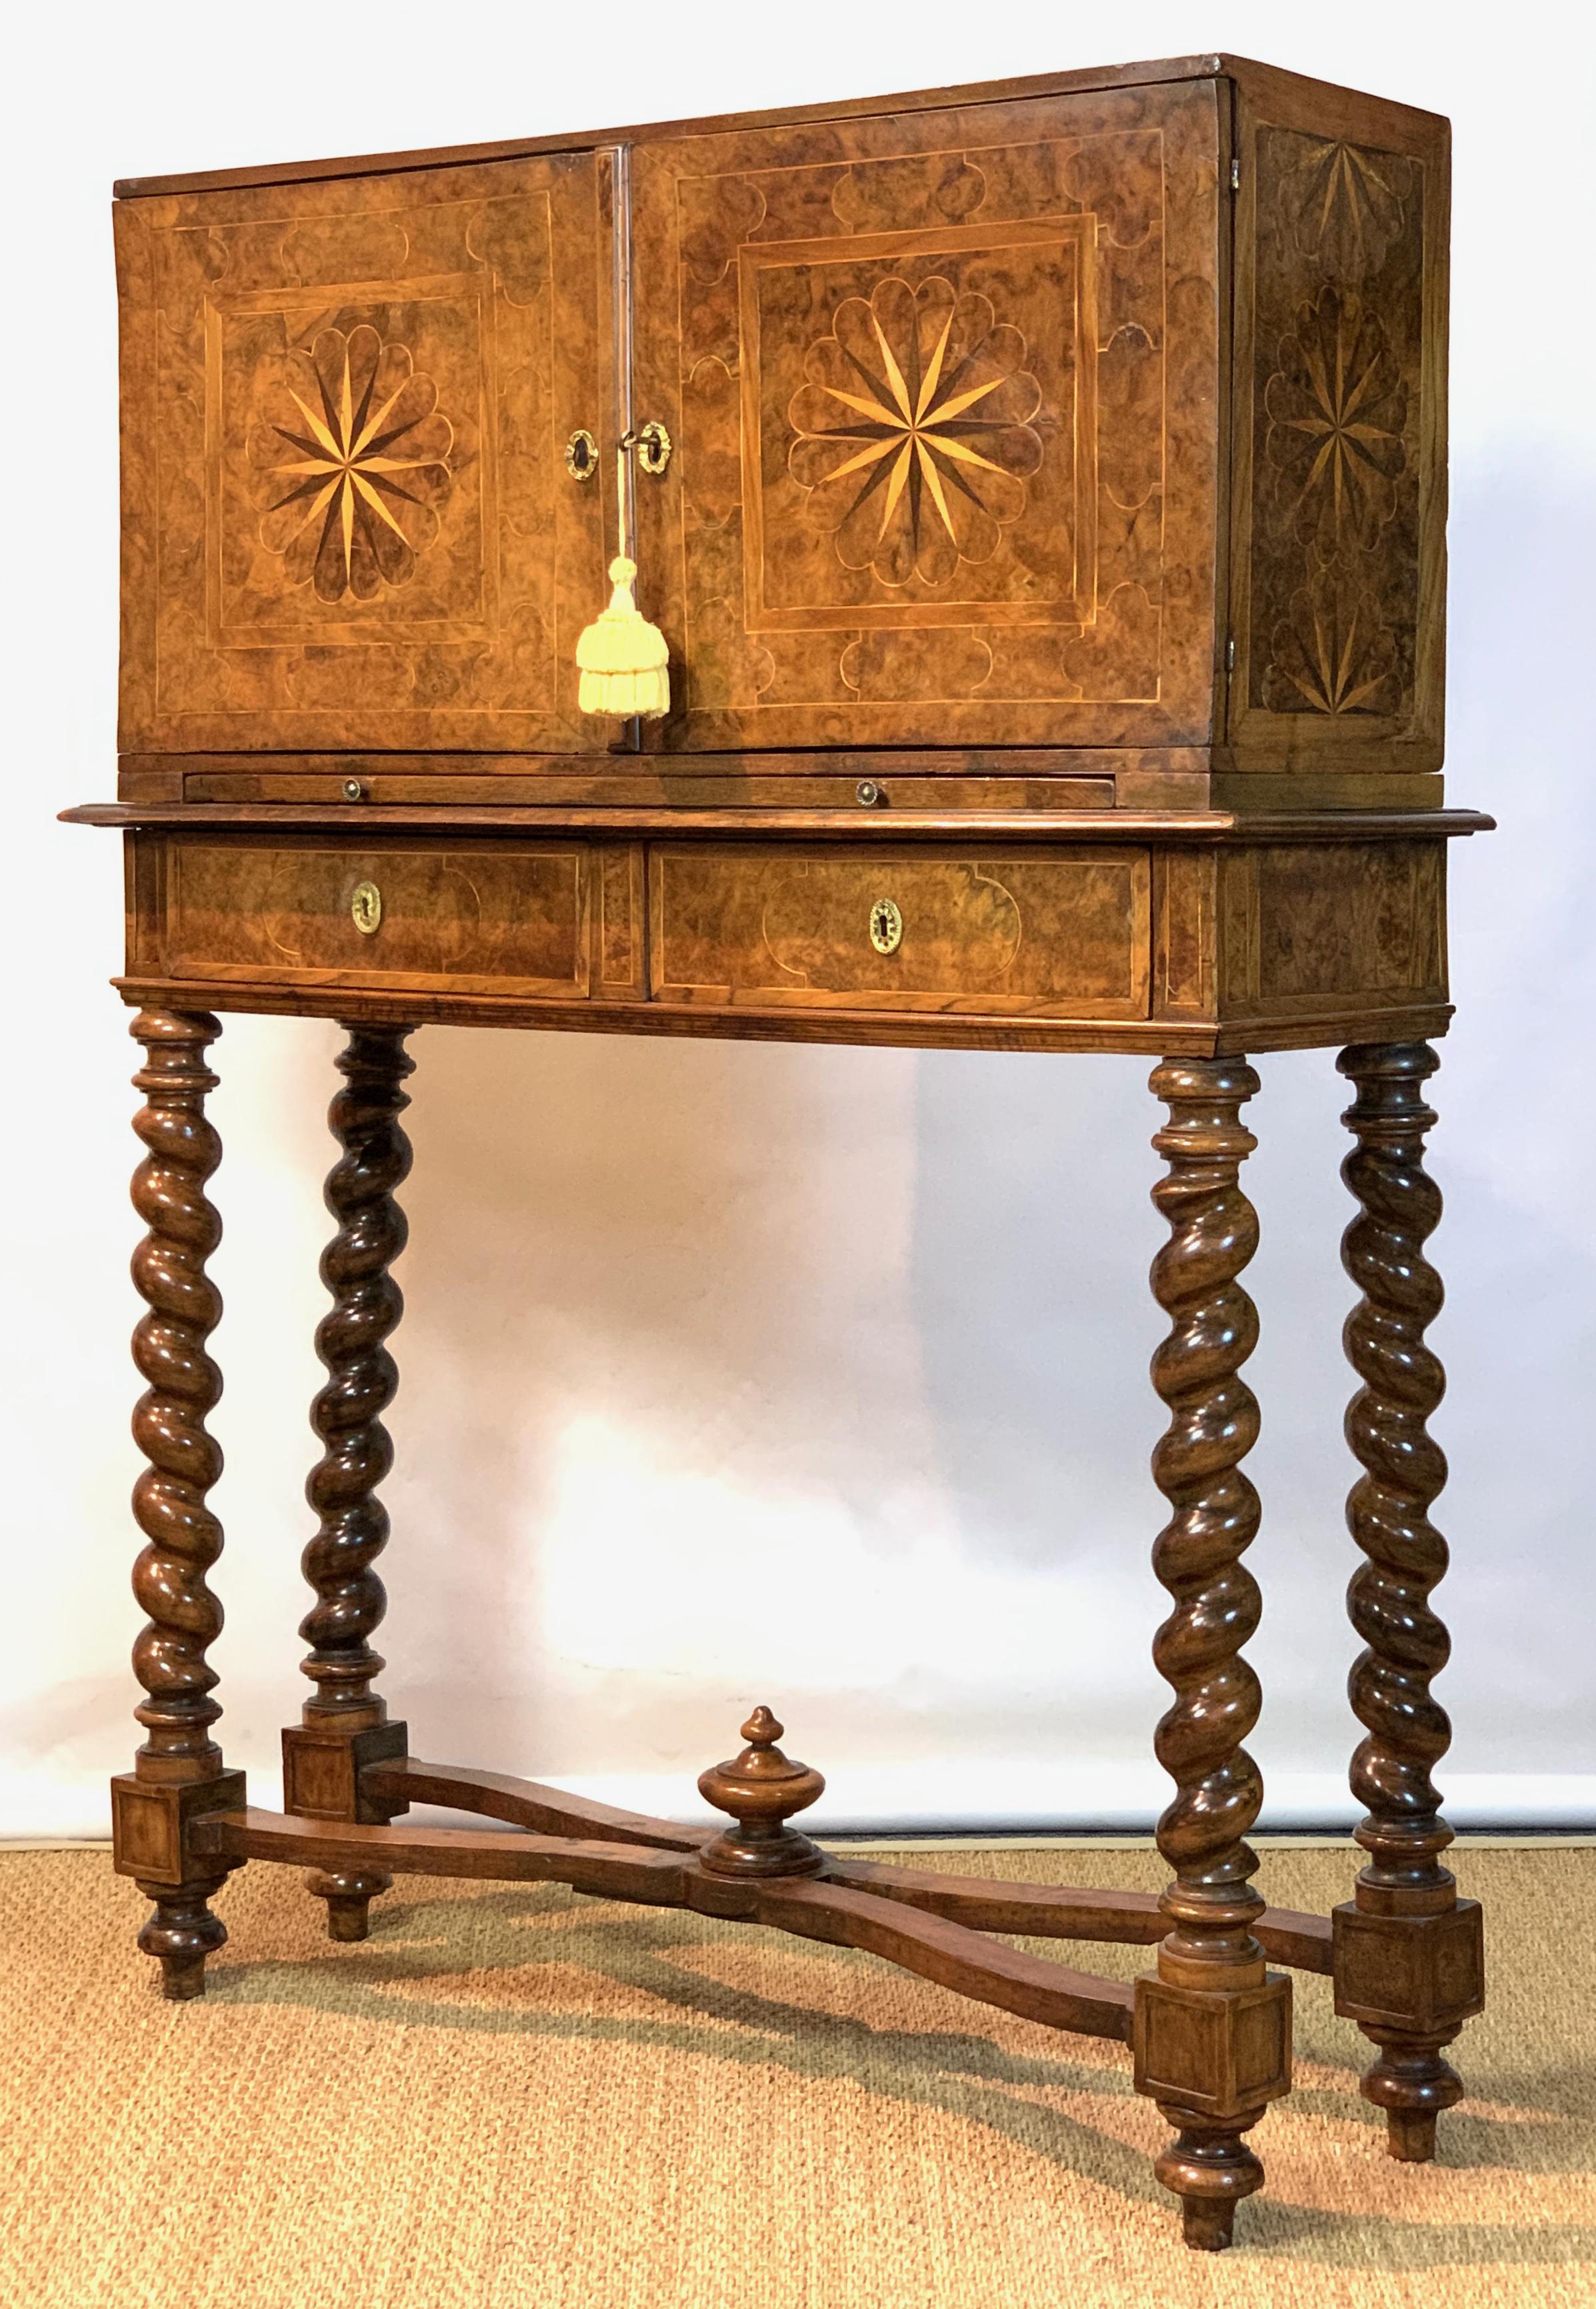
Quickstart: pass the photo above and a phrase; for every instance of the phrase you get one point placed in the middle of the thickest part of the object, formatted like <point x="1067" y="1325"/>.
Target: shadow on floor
<point x="650" y="1952"/>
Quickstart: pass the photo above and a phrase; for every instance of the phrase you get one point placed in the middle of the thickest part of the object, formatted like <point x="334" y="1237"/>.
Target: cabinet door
<point x="346" y="517"/>
<point x="945" y="390"/>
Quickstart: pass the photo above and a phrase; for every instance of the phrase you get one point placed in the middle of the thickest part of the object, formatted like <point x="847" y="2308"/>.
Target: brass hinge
<point x="1235" y="176"/>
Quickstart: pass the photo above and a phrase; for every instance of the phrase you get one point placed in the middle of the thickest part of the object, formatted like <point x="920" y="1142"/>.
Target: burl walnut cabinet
<point x="1041" y="488"/>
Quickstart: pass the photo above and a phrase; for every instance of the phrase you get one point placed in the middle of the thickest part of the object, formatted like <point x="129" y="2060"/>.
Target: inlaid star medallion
<point x="913" y="428"/>
<point x="354" y="456"/>
<point x="1349" y="204"/>
<point x="1338" y="414"/>
<point x="1334" y="652"/>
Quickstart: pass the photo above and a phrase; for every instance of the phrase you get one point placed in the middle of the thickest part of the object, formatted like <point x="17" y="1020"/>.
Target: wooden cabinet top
<point x="1353" y="108"/>
<point x="1087" y="426"/>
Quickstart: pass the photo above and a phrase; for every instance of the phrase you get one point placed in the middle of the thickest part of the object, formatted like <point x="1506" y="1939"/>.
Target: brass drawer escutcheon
<point x="365" y="908"/>
<point x="886" y="927"/>
<point x="582" y="455"/>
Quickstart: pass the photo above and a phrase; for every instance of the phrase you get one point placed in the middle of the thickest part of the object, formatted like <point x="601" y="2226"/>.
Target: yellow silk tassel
<point x="624" y="661"/>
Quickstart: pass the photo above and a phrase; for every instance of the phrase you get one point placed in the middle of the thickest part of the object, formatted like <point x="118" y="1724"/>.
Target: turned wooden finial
<point x="759" y="1788"/>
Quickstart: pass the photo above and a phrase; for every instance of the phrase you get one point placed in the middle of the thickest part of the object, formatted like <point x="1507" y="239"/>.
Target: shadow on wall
<point x="622" y="1371"/>
<point x="1033" y="1239"/>
<point x="1518" y="1096"/>
<point x="813" y="1362"/>
<point x="737" y="1371"/>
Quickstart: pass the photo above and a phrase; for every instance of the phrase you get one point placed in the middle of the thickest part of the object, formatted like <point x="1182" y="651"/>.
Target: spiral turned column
<point x="1408" y="1952"/>
<point x="178" y="1771"/>
<point x="345" y="1721"/>
<point x="1212" y="2027"/>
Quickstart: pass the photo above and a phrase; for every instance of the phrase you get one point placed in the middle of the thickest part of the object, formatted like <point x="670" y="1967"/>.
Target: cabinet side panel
<point x="1339" y="507"/>
<point x="145" y="870"/>
<point x="1309" y="931"/>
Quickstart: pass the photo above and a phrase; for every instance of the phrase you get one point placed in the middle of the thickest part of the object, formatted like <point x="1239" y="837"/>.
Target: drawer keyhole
<point x="886" y="927"/>
<point x="365" y="908"/>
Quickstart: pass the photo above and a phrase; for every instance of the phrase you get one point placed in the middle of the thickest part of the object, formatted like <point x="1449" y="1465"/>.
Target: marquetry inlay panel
<point x="1341" y="401"/>
<point x="344" y="521"/>
<point x="942" y="442"/>
<point x="1338" y="388"/>
<point x="933" y="388"/>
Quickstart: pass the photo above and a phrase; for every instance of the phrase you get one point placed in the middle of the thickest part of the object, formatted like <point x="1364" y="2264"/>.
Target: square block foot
<point x="1419" y="1973"/>
<point x="322" y="1766"/>
<point x="1218" y="2053"/>
<point x="150" y="1819"/>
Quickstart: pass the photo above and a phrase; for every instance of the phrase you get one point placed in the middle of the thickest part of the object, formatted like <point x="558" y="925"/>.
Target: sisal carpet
<point x="514" y="2098"/>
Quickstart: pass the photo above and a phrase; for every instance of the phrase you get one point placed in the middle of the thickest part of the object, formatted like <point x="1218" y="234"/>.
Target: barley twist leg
<point x="346" y="1721"/>
<point x="1407" y="1950"/>
<point x="178" y="1770"/>
<point x="1211" y="2069"/>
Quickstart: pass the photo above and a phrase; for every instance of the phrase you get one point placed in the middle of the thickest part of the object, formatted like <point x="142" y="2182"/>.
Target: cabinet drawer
<point x="1051" y="932"/>
<point x="488" y="918"/>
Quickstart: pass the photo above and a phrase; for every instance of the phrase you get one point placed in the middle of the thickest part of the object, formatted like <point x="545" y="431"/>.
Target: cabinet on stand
<point x="1039" y="491"/>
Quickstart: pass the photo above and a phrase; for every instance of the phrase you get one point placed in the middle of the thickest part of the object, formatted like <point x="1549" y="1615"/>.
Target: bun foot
<point x="1210" y="2171"/>
<point x="183" y="1933"/>
<point x="1207" y="2223"/>
<point x="349" y="1899"/>
<point x="1411" y="2135"/>
<point x="1414" y="2084"/>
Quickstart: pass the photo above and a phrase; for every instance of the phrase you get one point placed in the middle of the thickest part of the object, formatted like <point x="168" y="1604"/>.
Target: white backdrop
<point x="818" y="1377"/>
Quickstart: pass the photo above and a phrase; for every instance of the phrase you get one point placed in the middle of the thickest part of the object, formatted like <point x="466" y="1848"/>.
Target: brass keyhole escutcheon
<point x="886" y="927"/>
<point x="365" y="908"/>
<point x="653" y="447"/>
<point x="582" y="455"/>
